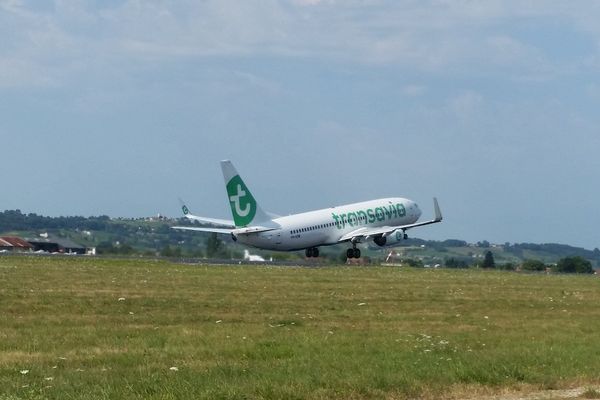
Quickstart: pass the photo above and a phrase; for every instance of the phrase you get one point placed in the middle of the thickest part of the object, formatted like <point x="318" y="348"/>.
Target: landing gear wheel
<point x="356" y="253"/>
<point x="350" y="253"/>
<point x="312" y="252"/>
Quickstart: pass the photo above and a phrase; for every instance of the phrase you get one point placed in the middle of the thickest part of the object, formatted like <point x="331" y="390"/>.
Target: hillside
<point x="153" y="236"/>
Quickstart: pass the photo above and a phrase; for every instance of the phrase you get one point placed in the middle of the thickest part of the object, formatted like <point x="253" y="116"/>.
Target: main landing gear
<point x="312" y="252"/>
<point x="353" y="252"/>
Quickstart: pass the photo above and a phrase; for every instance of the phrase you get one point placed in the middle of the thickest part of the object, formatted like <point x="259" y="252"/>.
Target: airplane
<point x="382" y="221"/>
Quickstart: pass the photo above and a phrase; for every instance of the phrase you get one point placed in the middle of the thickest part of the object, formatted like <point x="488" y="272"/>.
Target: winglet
<point x="184" y="208"/>
<point x="438" y="213"/>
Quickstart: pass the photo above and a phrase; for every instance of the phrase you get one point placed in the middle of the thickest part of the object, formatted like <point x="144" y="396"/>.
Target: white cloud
<point x="445" y="37"/>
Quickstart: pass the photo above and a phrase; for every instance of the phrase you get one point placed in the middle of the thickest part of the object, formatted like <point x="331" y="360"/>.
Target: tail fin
<point x="244" y="207"/>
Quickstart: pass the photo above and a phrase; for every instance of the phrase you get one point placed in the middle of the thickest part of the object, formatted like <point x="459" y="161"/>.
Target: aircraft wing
<point x="366" y="233"/>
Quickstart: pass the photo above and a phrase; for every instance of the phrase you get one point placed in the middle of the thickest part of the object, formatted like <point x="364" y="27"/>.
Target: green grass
<point x="269" y="332"/>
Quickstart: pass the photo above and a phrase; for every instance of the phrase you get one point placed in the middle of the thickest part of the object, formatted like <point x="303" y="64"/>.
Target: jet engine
<point x="391" y="240"/>
<point x="380" y="240"/>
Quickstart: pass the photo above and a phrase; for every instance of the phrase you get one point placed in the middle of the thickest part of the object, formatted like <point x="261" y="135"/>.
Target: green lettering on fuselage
<point x="351" y="216"/>
<point x="362" y="217"/>
<point x="379" y="214"/>
<point x="369" y="216"/>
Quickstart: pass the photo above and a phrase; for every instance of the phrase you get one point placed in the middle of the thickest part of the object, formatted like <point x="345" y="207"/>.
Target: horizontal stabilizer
<point x="226" y="223"/>
<point x="213" y="221"/>
<point x="192" y="228"/>
<point x="237" y="231"/>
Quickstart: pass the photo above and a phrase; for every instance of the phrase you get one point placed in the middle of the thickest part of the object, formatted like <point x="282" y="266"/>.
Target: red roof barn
<point x="14" y="243"/>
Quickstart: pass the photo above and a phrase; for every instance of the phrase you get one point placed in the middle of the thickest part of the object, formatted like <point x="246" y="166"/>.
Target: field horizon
<point x="152" y="329"/>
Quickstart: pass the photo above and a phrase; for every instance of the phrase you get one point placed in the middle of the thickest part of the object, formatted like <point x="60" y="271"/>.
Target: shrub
<point x="575" y="264"/>
<point x="533" y="265"/>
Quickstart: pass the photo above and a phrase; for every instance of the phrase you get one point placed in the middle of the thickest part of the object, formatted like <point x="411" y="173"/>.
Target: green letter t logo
<point x="243" y="205"/>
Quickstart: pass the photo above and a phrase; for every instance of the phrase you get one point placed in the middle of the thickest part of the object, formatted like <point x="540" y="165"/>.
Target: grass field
<point x="86" y="328"/>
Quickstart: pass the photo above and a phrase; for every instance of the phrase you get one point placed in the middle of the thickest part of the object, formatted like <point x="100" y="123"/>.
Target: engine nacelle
<point x="380" y="240"/>
<point x="393" y="239"/>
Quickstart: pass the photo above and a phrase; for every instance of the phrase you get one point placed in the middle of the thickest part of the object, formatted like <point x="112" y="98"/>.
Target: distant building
<point x="13" y="243"/>
<point x="57" y="245"/>
<point x="252" y="257"/>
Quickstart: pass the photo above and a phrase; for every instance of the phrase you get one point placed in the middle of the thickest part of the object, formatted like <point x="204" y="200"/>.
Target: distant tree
<point x="575" y="264"/>
<point x="169" y="251"/>
<point x="125" y="249"/>
<point x="109" y="248"/>
<point x="214" y="245"/>
<point x="507" y="266"/>
<point x="485" y="244"/>
<point x="533" y="265"/>
<point x="105" y="248"/>
<point x="164" y="229"/>
<point x="455" y="263"/>
<point x="413" y="263"/>
<point x="488" y="260"/>
<point x="454" y="243"/>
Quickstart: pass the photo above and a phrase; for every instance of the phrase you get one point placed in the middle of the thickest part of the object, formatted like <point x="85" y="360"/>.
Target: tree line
<point x="129" y="236"/>
<point x="569" y="264"/>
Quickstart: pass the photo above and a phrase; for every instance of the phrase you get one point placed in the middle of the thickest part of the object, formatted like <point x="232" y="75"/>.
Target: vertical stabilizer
<point x="244" y="207"/>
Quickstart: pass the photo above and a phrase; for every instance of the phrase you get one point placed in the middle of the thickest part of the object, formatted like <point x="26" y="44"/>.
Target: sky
<point x="119" y="107"/>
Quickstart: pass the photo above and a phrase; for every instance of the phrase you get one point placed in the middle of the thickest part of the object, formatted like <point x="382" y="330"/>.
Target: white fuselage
<point x="327" y="226"/>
